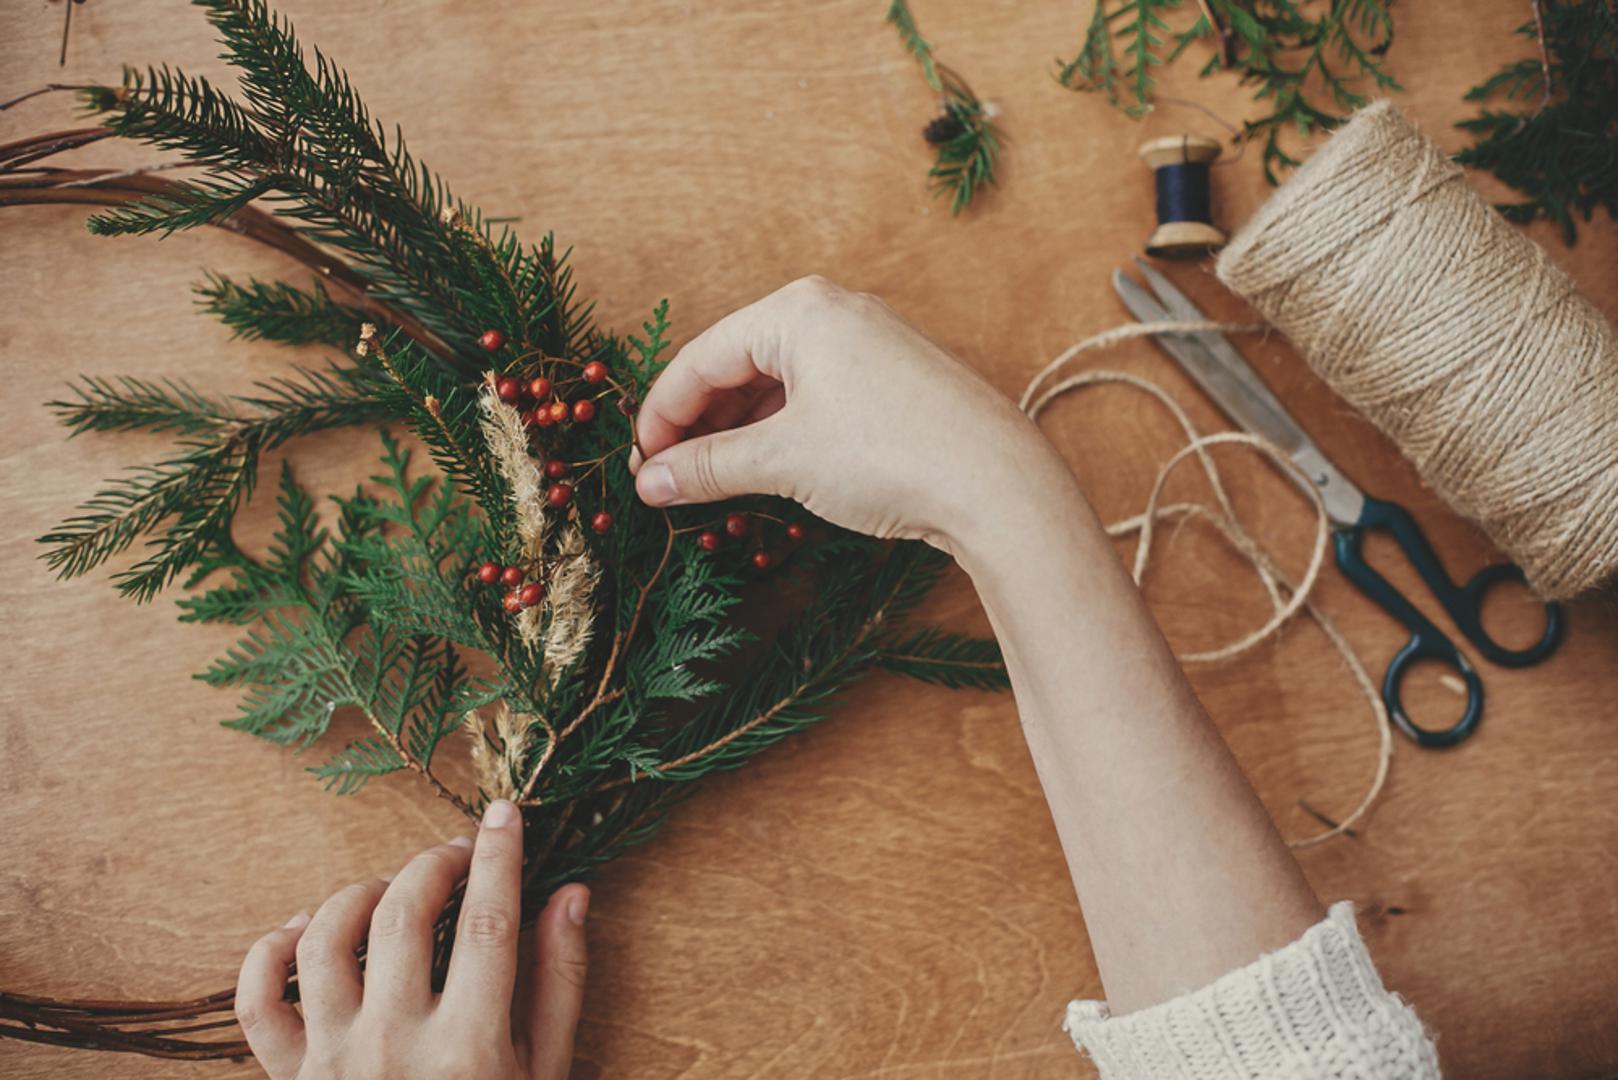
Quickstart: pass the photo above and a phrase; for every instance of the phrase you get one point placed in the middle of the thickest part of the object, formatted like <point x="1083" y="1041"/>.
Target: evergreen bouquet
<point x="591" y="655"/>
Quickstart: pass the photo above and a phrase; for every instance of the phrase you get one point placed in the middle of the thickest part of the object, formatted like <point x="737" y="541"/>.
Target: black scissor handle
<point x="1427" y="642"/>
<point x="1468" y="615"/>
<point x="1422" y="646"/>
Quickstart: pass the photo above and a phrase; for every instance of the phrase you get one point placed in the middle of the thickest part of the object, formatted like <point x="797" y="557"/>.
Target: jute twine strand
<point x="1287" y="597"/>
<point x="1454" y="334"/>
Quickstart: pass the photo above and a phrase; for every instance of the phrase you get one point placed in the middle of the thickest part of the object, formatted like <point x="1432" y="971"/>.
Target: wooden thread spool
<point x="1179" y="165"/>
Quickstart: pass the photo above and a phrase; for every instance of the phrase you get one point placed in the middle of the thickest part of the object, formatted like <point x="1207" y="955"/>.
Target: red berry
<point x="508" y="388"/>
<point x="601" y="522"/>
<point x="595" y="372"/>
<point x="736" y="524"/>
<point x="584" y="410"/>
<point x="530" y="594"/>
<point x="556" y="468"/>
<point x="511" y="575"/>
<point x="492" y="340"/>
<point x="559" y="494"/>
<point x="541" y="417"/>
<point x="512" y="602"/>
<point x="558" y="411"/>
<point x="489" y="573"/>
<point x="709" y="541"/>
<point x="539" y="389"/>
<point x="761" y="559"/>
<point x="796" y="531"/>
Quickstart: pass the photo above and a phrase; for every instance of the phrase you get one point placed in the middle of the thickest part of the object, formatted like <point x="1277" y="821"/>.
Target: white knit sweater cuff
<point x="1313" y="1009"/>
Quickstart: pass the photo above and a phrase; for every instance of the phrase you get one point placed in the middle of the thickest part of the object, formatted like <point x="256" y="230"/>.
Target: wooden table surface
<point x="884" y="896"/>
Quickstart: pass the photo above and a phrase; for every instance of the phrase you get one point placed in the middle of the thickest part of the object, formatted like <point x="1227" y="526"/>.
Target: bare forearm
<point x="852" y="412"/>
<point x="1180" y="873"/>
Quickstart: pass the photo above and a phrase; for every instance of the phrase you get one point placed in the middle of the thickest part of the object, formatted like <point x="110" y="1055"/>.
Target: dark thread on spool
<point x="1182" y="193"/>
<point x="1185" y="227"/>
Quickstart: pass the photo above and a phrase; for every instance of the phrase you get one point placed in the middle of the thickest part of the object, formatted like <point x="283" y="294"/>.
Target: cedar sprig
<point x="1310" y="62"/>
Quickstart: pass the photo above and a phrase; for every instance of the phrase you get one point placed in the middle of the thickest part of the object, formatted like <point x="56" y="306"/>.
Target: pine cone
<point x="942" y="128"/>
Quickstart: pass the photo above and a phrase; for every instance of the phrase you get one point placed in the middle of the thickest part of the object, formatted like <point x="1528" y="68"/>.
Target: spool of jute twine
<point x="1454" y="334"/>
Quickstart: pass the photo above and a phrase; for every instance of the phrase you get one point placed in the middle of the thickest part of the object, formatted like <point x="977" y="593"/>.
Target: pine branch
<point x="945" y="659"/>
<point x="184" y="504"/>
<point x="276" y="311"/>
<point x="904" y="21"/>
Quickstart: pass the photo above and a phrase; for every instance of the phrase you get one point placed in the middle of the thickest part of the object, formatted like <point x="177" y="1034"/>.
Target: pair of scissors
<point x="1215" y="365"/>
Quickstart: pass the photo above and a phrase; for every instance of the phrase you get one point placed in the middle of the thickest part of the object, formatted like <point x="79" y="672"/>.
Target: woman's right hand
<point x="828" y="397"/>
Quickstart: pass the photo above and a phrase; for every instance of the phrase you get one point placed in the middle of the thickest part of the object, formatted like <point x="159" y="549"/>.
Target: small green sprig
<point x="964" y="135"/>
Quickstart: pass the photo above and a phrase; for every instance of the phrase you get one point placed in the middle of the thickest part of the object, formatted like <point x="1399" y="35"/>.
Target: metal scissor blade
<point x="1215" y="365"/>
<point x="1228" y="379"/>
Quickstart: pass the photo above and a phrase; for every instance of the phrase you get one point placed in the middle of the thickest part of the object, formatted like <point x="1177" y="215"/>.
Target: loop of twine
<point x="1287" y="598"/>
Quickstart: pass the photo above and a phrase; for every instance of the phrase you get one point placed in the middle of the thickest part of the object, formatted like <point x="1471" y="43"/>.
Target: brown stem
<point x="105" y="187"/>
<point x="1544" y="55"/>
<point x="1227" y="40"/>
<point x="602" y="695"/>
<point x="420" y="768"/>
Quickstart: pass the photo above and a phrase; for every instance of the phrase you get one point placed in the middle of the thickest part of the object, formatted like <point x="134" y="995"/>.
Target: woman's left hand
<point x="505" y="1011"/>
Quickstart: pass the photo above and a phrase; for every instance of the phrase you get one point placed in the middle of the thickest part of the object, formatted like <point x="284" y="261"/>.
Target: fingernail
<point x="656" y="484"/>
<point x="577" y="907"/>
<point x="461" y="842"/>
<point x="499" y="815"/>
<point x="298" y="921"/>
<point x="387" y="879"/>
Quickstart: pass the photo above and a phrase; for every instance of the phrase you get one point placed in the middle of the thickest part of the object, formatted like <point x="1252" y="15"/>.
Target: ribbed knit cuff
<point x="1313" y="1009"/>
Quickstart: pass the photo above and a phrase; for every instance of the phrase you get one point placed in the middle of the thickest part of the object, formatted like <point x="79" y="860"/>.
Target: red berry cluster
<point x="540" y="408"/>
<point x="737" y="526"/>
<point x="541" y="403"/>
<point x="519" y="594"/>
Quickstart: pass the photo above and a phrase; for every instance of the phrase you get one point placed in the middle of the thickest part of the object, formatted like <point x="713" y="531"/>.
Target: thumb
<point x="741" y="461"/>
<point x="557" y="996"/>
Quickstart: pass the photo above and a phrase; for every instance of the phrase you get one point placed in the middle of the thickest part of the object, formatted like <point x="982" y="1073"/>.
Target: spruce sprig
<point x="276" y="311"/>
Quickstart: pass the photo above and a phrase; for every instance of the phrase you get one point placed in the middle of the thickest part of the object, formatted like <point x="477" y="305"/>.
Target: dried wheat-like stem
<point x="507" y="438"/>
<point x="497" y="761"/>
<point x="570" y="597"/>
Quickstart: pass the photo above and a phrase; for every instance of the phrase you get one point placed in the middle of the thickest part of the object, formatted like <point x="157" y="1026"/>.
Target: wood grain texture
<point x="883" y="897"/>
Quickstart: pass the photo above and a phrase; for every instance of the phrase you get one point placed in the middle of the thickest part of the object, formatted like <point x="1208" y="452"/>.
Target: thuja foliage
<point x="964" y="136"/>
<point x="1548" y="122"/>
<point x="632" y="669"/>
<point x="1310" y="62"/>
